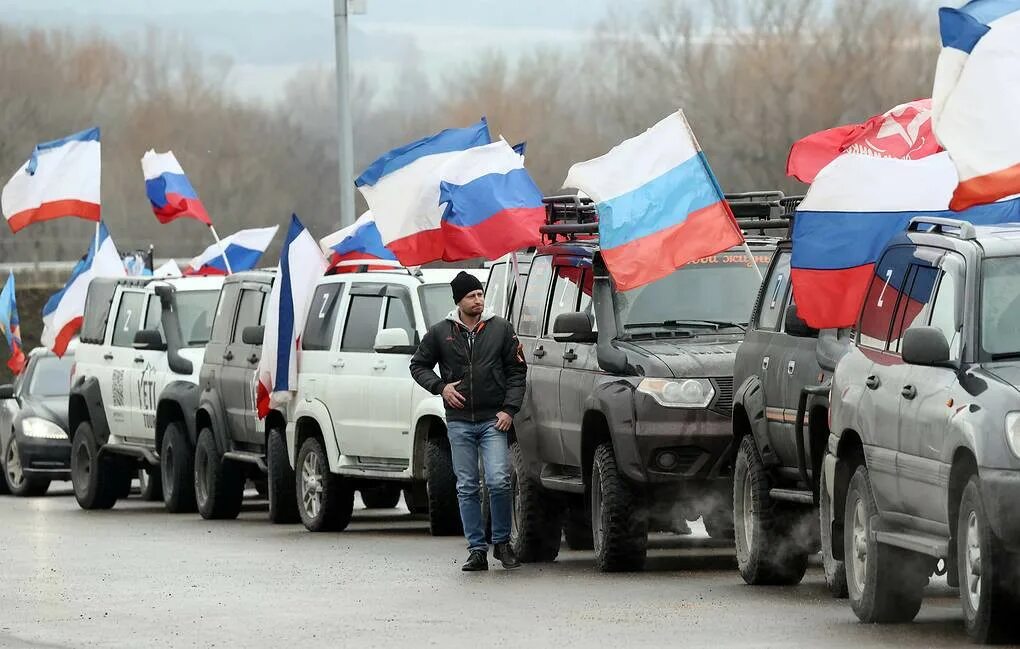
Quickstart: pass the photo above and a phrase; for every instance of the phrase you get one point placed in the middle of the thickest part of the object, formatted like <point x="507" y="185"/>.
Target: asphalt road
<point x="139" y="577"/>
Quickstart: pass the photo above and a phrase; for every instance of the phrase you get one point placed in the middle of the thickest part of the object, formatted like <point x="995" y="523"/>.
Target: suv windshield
<point x="51" y="377"/>
<point x="436" y="302"/>
<point x="196" y="309"/>
<point x="1000" y="307"/>
<point x="713" y="293"/>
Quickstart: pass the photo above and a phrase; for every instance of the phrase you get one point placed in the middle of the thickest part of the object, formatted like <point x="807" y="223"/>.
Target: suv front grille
<point x="723" y="403"/>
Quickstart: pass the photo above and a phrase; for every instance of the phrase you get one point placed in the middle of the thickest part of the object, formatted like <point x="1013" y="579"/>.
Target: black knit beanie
<point x="463" y="284"/>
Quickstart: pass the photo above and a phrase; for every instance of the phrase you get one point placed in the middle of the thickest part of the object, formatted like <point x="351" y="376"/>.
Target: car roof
<point x="404" y="276"/>
<point x="261" y="276"/>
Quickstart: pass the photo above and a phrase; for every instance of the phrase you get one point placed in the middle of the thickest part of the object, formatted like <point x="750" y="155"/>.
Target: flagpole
<point x="95" y="245"/>
<point x="750" y="255"/>
<point x="223" y="251"/>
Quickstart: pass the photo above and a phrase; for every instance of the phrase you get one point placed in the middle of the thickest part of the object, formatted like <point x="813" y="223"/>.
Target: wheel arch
<point x="850" y="455"/>
<point x="594" y="432"/>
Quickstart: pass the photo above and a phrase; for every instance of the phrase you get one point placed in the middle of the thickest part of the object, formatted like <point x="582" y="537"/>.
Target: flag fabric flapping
<point x="402" y="191"/>
<point x="856" y="204"/>
<point x="975" y="99"/>
<point x="63" y="312"/>
<point x="169" y="269"/>
<point x="301" y="266"/>
<point x="659" y="204"/>
<point x="60" y="179"/>
<point x="169" y="190"/>
<point x="901" y="132"/>
<point x="10" y="324"/>
<point x="244" y="248"/>
<point x="491" y="204"/>
<point x="358" y="242"/>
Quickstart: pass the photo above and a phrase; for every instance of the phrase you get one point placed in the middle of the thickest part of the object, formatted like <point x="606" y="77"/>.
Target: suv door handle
<point x="570" y="355"/>
<point x="228" y="356"/>
<point x="540" y="352"/>
<point x="765" y="363"/>
<point x="139" y="359"/>
<point x="379" y="366"/>
<point x="790" y="367"/>
<point x="338" y="363"/>
<point x="872" y="382"/>
<point x="108" y="356"/>
<point x="254" y="358"/>
<point x="908" y="392"/>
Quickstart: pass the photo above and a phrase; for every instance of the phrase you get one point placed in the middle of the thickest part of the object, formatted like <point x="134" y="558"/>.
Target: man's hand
<point x="453" y="398"/>
<point x="503" y="421"/>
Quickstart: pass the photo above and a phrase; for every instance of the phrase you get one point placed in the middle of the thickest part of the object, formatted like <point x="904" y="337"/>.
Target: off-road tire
<point x="219" y="483"/>
<point x="835" y="570"/>
<point x="885" y="584"/>
<point x="95" y="479"/>
<point x="994" y="618"/>
<point x="283" y="506"/>
<point x="177" y="470"/>
<point x="537" y="520"/>
<point x="577" y="528"/>
<point x="28" y="487"/>
<point x="619" y="516"/>
<point x="768" y="550"/>
<point x="151" y="484"/>
<point x="416" y="499"/>
<point x="384" y="496"/>
<point x="441" y="483"/>
<point x="333" y="497"/>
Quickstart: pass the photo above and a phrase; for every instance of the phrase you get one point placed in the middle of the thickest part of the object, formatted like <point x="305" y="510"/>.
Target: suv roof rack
<point x="940" y="225"/>
<point x="373" y="266"/>
<point x="571" y="215"/>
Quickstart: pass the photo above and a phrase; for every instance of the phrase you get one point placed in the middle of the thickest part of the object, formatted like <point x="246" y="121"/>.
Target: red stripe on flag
<point x="419" y="248"/>
<point x="503" y="232"/>
<point x="179" y="207"/>
<point x="66" y="334"/>
<point x="703" y="233"/>
<point x="986" y="189"/>
<point x="261" y="400"/>
<point x="54" y="210"/>
<point x="17" y="361"/>
<point x="831" y="298"/>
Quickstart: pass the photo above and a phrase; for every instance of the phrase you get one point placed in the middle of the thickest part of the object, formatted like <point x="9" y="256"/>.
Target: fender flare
<point x="85" y="403"/>
<point x="210" y="403"/>
<point x="429" y="408"/>
<point x="182" y="395"/>
<point x="751" y="397"/>
<point x="317" y="411"/>
<point x="614" y="398"/>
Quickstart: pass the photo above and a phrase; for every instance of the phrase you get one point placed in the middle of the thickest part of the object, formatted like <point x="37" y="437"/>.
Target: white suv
<point x="134" y="386"/>
<point x="359" y="420"/>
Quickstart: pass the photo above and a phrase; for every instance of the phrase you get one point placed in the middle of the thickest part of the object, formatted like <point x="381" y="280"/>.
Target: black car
<point x="34" y="446"/>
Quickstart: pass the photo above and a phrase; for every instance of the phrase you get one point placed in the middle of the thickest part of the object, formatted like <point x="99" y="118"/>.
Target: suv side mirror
<point x="573" y="328"/>
<point x="797" y="327"/>
<point x="393" y="341"/>
<point x="925" y="346"/>
<point x="6" y="391"/>
<point x="149" y="340"/>
<point x="253" y="335"/>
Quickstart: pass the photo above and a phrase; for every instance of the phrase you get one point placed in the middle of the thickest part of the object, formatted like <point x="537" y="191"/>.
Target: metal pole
<point x="223" y="250"/>
<point x="345" y="129"/>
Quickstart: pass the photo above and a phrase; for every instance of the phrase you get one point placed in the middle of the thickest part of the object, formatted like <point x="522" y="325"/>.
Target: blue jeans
<point x="466" y="440"/>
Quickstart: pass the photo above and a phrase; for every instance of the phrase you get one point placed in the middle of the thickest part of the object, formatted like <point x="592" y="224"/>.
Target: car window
<point x="129" y="319"/>
<point x="362" y="323"/>
<point x="154" y="314"/>
<point x="943" y="312"/>
<point x="882" y="298"/>
<point x="495" y="289"/>
<point x="248" y="313"/>
<point x="564" y="295"/>
<point x="195" y="313"/>
<point x="398" y="316"/>
<point x="436" y="302"/>
<point x="773" y="294"/>
<point x="912" y="309"/>
<point x="322" y="315"/>
<point x="533" y="305"/>
<point x="51" y="377"/>
<point x="586" y="305"/>
<point x="1000" y="307"/>
<point x="224" y="313"/>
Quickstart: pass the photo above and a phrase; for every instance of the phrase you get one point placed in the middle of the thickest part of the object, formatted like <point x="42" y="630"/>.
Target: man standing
<point x="481" y="377"/>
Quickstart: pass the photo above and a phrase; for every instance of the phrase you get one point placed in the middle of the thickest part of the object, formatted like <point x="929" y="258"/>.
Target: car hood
<point x="690" y="357"/>
<point x="1006" y="371"/>
<point x="50" y="408"/>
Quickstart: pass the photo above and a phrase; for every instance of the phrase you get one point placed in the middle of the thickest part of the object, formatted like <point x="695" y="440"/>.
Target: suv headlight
<point x="44" y="428"/>
<point x="1013" y="432"/>
<point x="680" y="393"/>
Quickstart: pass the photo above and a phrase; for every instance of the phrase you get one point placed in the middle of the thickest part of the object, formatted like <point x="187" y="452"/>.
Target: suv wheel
<point x="150" y="485"/>
<point x="767" y="550"/>
<point x="283" y="506"/>
<point x="835" y="570"/>
<point x="385" y="496"/>
<point x="619" y="516"/>
<point x="988" y="589"/>
<point x="577" y="528"/>
<point x="14" y="475"/>
<point x="884" y="583"/>
<point x="719" y="524"/>
<point x="219" y="483"/>
<point x="94" y="479"/>
<point x="416" y="499"/>
<point x="536" y="520"/>
<point x="176" y="460"/>
<point x="326" y="500"/>
<point x="441" y="484"/>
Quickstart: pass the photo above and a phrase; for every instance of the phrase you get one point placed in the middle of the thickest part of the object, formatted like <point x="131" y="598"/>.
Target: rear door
<point x="765" y="347"/>
<point x="580" y="368"/>
<point x="239" y="364"/>
<point x="219" y="338"/>
<point x="319" y="362"/>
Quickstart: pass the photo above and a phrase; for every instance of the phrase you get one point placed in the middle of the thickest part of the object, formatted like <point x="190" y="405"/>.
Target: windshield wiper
<point x="674" y="324"/>
<point x="1001" y="356"/>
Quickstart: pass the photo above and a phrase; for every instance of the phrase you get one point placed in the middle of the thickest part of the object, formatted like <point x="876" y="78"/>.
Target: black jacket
<point x="491" y="369"/>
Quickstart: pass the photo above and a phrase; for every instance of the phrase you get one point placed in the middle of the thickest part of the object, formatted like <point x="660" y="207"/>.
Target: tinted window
<point x="51" y="376"/>
<point x="154" y="314"/>
<point x="495" y="289"/>
<point x="129" y="319"/>
<point x="883" y="297"/>
<point x="943" y="313"/>
<point x="362" y="323"/>
<point x="398" y="316"/>
<point x="97" y="311"/>
<point x="586" y="305"/>
<point x="774" y="294"/>
<point x="533" y="305"/>
<point x="248" y="313"/>
<point x="564" y="295"/>
<point x="515" y="298"/>
<point x="912" y="310"/>
<point x="224" y="313"/>
<point x="322" y="314"/>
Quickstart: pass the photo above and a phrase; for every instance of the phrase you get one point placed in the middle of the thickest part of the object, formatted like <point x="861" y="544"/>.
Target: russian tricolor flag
<point x="975" y="99"/>
<point x="402" y="191"/>
<point x="60" y="179"/>
<point x="659" y="204"/>
<point x="855" y="206"/>
<point x="244" y="248"/>
<point x="170" y="193"/>
<point x="358" y="242"/>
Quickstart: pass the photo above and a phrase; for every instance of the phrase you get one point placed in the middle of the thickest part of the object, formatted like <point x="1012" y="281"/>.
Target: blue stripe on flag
<point x="90" y="134"/>
<point x="658" y="204"/>
<point x="285" y="336"/>
<point x="79" y="268"/>
<point x="488" y="195"/>
<point x="167" y="183"/>
<point x="988" y="11"/>
<point x="453" y="139"/>
<point x="365" y="239"/>
<point x="960" y="31"/>
<point x="241" y="258"/>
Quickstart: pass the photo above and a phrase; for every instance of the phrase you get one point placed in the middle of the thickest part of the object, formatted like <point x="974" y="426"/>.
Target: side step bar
<point x="932" y="546"/>
<point x="247" y="458"/>
<point x="131" y="451"/>
<point x="570" y="484"/>
<point x="799" y="496"/>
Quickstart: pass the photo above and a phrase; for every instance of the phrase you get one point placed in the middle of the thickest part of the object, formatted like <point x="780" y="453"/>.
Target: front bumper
<point x="1000" y="493"/>
<point x="45" y="458"/>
